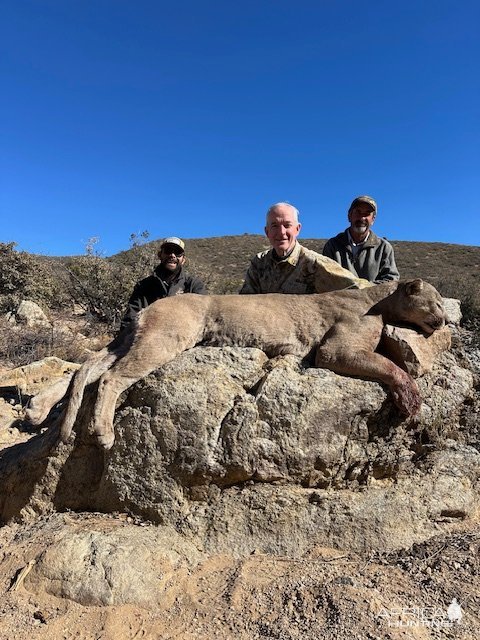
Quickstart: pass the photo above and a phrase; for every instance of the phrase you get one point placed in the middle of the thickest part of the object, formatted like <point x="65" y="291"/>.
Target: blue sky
<point x="191" y="117"/>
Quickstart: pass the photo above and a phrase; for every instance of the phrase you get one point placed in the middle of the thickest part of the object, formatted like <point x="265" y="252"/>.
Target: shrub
<point x="102" y="286"/>
<point x="24" y="276"/>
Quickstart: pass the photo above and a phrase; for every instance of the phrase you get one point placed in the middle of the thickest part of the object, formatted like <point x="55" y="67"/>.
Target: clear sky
<point x="191" y="117"/>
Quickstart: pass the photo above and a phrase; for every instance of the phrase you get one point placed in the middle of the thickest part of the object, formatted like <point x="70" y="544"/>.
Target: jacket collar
<point x="372" y="241"/>
<point x="292" y="258"/>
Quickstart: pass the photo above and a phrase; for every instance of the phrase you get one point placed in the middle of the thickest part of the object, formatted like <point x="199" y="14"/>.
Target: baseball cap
<point x="367" y="200"/>
<point x="174" y="240"/>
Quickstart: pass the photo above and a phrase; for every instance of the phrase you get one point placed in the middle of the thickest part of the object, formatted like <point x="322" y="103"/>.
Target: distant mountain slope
<point x="223" y="261"/>
<point x="220" y="261"/>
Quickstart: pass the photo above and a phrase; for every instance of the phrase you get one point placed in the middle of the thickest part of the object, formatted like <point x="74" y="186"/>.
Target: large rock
<point x="118" y="563"/>
<point x="31" y="314"/>
<point x="413" y="351"/>
<point x="239" y="453"/>
<point x="32" y="378"/>
<point x="453" y="309"/>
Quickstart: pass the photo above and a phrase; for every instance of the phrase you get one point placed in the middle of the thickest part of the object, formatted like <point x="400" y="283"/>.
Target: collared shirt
<point x="302" y="271"/>
<point x="356" y="246"/>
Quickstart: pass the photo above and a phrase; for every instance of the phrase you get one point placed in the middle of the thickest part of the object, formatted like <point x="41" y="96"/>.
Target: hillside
<point x="223" y="261"/>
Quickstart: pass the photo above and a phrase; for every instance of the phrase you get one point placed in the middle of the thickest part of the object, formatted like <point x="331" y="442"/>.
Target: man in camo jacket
<point x="290" y="268"/>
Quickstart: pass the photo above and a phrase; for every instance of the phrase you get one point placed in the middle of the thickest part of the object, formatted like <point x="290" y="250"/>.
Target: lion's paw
<point x="37" y="414"/>
<point x="407" y="397"/>
<point x="105" y="437"/>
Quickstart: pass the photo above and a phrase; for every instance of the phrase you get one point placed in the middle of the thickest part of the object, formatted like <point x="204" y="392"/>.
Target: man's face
<point x="361" y="218"/>
<point x="171" y="256"/>
<point x="282" y="229"/>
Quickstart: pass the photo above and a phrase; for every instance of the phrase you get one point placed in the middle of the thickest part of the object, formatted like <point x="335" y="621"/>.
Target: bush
<point x="24" y="276"/>
<point x="99" y="287"/>
<point x="102" y="286"/>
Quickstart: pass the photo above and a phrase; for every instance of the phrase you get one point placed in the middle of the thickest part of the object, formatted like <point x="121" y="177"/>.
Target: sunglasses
<point x="172" y="248"/>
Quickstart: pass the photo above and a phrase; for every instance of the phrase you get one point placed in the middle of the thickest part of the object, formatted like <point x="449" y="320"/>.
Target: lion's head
<point x="419" y="303"/>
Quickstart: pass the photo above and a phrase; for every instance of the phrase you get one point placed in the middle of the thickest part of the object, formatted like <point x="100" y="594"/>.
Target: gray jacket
<point x="374" y="261"/>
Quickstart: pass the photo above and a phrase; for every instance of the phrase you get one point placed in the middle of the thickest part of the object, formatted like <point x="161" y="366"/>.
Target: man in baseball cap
<point x="168" y="279"/>
<point x="358" y="249"/>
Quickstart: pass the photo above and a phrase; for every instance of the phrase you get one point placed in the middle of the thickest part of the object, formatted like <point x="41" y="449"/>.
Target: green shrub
<point x="102" y="286"/>
<point x="24" y="276"/>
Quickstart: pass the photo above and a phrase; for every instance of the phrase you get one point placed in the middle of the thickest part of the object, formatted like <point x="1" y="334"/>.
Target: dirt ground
<point x="329" y="594"/>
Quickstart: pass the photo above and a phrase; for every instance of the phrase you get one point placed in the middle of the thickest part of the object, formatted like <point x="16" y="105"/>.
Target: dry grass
<point x="21" y="345"/>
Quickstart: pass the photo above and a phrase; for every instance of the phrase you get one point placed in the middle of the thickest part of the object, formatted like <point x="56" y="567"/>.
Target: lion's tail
<point x="89" y="372"/>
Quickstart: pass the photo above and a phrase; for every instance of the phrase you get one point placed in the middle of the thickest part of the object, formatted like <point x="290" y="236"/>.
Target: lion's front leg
<point x="406" y="394"/>
<point x="351" y="350"/>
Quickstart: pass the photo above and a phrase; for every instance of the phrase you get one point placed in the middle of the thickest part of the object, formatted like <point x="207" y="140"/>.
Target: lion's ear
<point x="414" y="287"/>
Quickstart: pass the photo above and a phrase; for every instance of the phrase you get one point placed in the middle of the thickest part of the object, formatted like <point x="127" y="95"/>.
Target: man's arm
<point x="197" y="286"/>
<point x="388" y="269"/>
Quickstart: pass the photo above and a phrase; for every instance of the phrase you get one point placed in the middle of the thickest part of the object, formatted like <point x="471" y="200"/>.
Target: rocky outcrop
<point x="31" y="314"/>
<point x="32" y="378"/>
<point x="412" y="350"/>
<point x="235" y="452"/>
<point x="453" y="310"/>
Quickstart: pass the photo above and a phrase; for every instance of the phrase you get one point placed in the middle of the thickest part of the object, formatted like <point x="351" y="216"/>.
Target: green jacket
<point x="374" y="261"/>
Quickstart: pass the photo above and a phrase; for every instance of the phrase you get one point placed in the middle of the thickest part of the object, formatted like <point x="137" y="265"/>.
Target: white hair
<point x="296" y="212"/>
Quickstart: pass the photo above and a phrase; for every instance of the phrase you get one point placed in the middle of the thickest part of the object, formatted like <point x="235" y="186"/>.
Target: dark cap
<point x="367" y="200"/>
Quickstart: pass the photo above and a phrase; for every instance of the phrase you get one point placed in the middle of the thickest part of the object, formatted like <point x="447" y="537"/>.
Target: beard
<point x="361" y="227"/>
<point x="167" y="273"/>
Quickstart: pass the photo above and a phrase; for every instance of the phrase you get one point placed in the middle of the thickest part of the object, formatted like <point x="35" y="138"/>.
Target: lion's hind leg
<point x="90" y="371"/>
<point x="149" y="352"/>
<point x="41" y="404"/>
<point x="111" y="385"/>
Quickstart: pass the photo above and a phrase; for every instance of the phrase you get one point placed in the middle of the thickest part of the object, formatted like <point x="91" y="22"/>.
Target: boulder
<point x="453" y="309"/>
<point x="118" y="563"/>
<point x="31" y="314"/>
<point x="413" y="351"/>
<point x="32" y="378"/>
<point x="238" y="453"/>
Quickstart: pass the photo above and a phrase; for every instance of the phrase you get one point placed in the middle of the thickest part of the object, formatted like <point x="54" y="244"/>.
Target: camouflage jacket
<point x="303" y="271"/>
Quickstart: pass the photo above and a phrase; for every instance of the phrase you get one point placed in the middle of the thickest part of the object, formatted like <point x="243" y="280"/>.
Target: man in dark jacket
<point x="168" y="279"/>
<point x="359" y="250"/>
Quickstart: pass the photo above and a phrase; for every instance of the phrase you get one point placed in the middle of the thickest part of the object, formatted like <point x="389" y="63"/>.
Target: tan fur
<point x="342" y="329"/>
